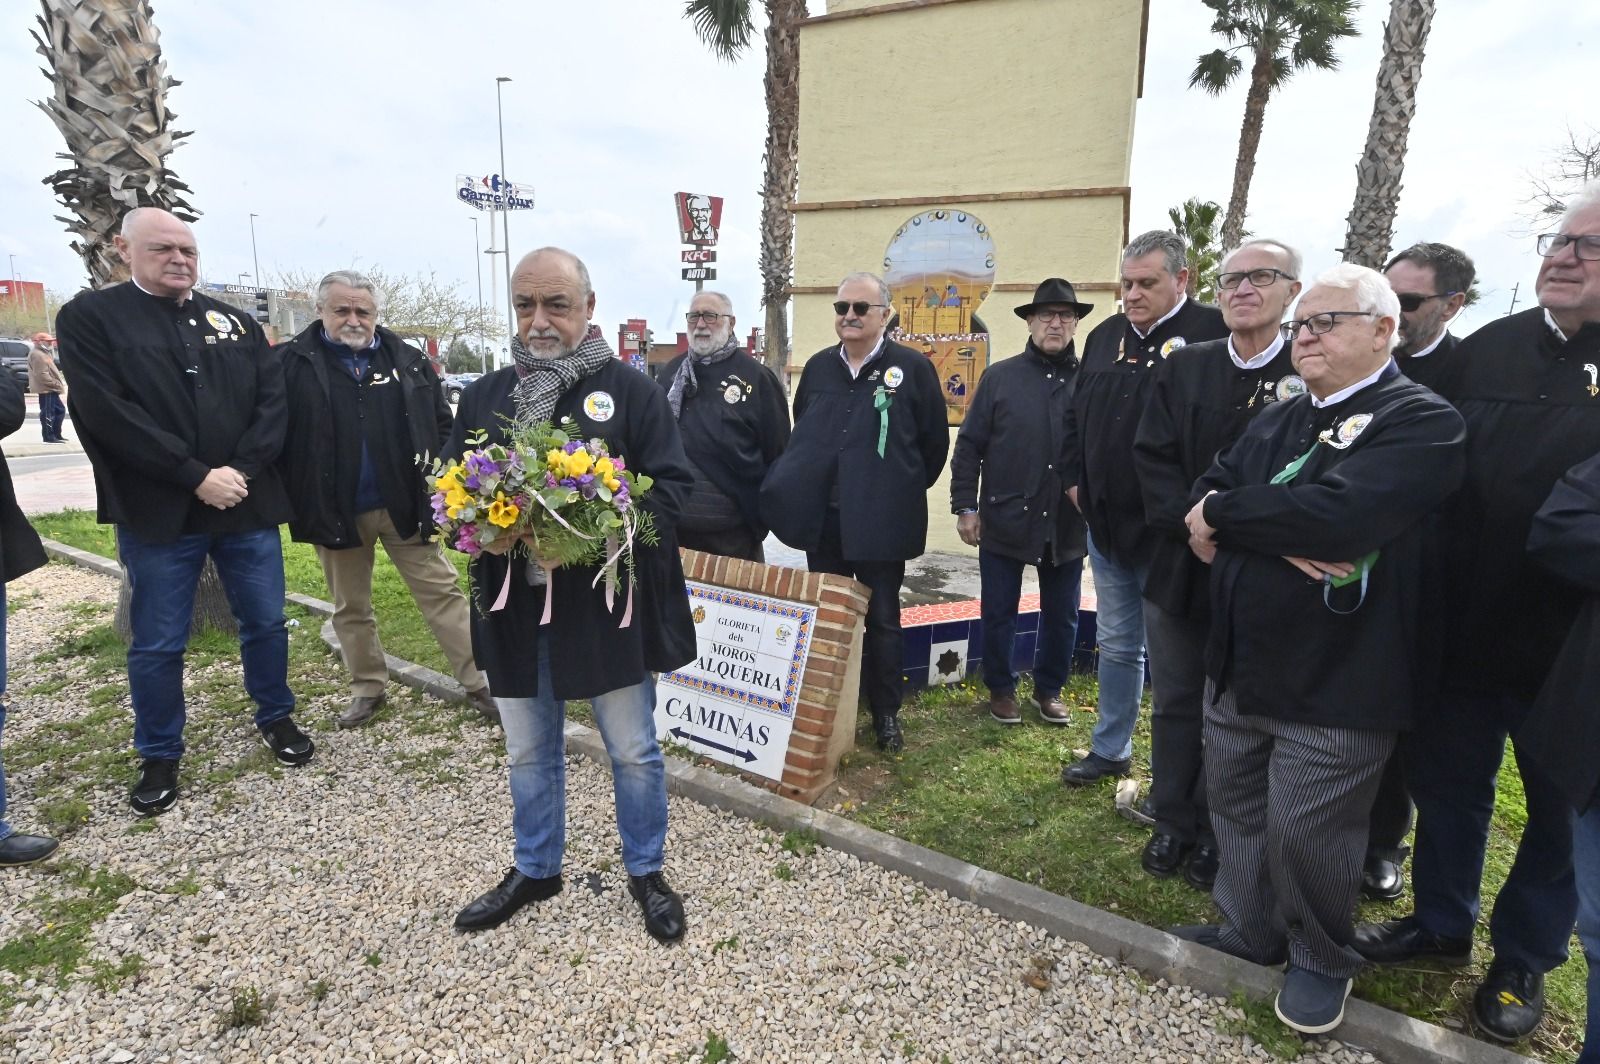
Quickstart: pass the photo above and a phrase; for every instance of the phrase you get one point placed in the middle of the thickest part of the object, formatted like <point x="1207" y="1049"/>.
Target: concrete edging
<point x="1396" y="1038"/>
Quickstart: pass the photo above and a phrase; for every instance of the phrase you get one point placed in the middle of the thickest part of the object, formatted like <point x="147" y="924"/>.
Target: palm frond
<point x="724" y="26"/>
<point x="1215" y="71"/>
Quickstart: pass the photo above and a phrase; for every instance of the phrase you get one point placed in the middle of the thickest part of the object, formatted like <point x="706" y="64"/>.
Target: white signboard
<point x="736" y="701"/>
<point x="493" y="193"/>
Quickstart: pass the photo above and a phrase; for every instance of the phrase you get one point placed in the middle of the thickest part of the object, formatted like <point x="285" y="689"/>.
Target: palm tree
<point x="110" y="104"/>
<point x="1196" y="221"/>
<point x="104" y="59"/>
<point x="726" y="28"/>
<point x="1371" y="222"/>
<point x="1280" y="37"/>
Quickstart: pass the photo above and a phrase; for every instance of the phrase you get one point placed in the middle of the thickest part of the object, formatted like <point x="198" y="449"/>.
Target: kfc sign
<point x="699" y="218"/>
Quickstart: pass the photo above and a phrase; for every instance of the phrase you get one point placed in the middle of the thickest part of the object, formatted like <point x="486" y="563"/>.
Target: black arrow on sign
<point x="703" y="741"/>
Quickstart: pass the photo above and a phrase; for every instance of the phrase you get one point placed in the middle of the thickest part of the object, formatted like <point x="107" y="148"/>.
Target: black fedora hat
<point x="1055" y="290"/>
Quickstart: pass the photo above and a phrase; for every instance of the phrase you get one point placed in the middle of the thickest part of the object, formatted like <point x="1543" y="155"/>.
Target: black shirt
<point x="1112" y="388"/>
<point x="1200" y="403"/>
<point x="1436" y="368"/>
<point x="162" y="393"/>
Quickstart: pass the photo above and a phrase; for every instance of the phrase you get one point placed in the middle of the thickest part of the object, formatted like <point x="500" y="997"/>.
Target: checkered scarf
<point x="544" y="380"/>
<point x="685" y="383"/>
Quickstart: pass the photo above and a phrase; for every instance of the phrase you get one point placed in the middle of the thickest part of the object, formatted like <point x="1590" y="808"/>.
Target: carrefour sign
<point x="493" y="193"/>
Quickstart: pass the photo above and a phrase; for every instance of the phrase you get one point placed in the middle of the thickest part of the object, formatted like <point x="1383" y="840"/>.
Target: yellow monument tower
<point x="966" y="149"/>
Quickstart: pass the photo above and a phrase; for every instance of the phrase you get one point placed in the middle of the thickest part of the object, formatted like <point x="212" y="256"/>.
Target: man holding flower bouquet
<point x="564" y="477"/>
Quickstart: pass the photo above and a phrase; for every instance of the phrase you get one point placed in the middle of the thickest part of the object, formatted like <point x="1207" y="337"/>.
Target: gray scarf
<point x="543" y="380"/>
<point x="684" y="382"/>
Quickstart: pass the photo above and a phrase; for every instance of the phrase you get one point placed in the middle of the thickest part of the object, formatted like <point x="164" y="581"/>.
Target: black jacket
<point x="1562" y="732"/>
<point x="20" y="549"/>
<point x="1531" y="416"/>
<point x="883" y="502"/>
<point x="1437" y="369"/>
<point x="589" y="653"/>
<point x="1384" y="459"/>
<point x="1113" y="385"/>
<point x="1011" y="438"/>
<point x="161" y="395"/>
<point x="1200" y="403"/>
<point x="734" y="427"/>
<point x="324" y="508"/>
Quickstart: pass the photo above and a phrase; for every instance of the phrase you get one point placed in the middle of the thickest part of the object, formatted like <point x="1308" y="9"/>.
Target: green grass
<point x="991" y="794"/>
<point x="400" y="625"/>
<point x="59" y="943"/>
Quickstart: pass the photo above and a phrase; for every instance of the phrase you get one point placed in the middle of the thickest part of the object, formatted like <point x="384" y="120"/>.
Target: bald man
<point x="179" y="403"/>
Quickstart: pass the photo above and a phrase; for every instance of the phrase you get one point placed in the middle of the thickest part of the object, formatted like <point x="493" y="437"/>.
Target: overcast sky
<point x="342" y="124"/>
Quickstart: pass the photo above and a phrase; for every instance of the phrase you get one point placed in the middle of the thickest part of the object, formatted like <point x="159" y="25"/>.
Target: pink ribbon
<point x="609" y="571"/>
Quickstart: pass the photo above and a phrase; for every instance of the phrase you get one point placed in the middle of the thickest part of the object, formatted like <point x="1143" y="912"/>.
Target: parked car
<point x="14" y="357"/>
<point x="454" y="385"/>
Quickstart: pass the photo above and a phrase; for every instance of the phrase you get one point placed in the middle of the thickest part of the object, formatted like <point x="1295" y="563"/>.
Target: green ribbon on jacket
<point x="881" y="398"/>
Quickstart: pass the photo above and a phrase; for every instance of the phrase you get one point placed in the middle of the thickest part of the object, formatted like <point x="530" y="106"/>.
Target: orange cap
<point x="43" y="338"/>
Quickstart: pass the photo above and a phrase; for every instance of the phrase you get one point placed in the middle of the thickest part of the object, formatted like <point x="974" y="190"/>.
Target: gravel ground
<point x="329" y="891"/>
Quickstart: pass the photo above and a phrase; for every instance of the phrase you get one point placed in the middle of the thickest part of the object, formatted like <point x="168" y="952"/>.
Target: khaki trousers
<point x="433" y="584"/>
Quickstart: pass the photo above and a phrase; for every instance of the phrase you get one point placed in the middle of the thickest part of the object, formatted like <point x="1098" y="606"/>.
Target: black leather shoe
<point x="890" y="739"/>
<point x="663" y="909"/>
<point x="1509" y="1003"/>
<point x="495" y="907"/>
<point x="1201" y="871"/>
<point x="1093" y="769"/>
<point x="1381" y="878"/>
<point x="1163" y="854"/>
<point x="1404" y="940"/>
<point x="25" y="849"/>
<point x="157" y="788"/>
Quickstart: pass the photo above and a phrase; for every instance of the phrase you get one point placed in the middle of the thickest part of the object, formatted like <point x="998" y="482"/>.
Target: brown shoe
<point x="360" y="710"/>
<point x="1051" y="709"/>
<point x="483" y="702"/>
<point x="1003" y="708"/>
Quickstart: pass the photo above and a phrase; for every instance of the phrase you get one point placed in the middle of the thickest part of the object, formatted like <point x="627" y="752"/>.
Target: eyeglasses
<point x="708" y="316"/>
<point x="1319" y="324"/>
<point x="1584" y="245"/>
<point x="1048" y="316"/>
<point x="1410" y="301"/>
<point x="859" y="306"/>
<point x="1258" y="278"/>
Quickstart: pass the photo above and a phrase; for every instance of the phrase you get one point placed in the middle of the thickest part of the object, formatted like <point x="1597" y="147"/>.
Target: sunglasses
<point x="860" y="307"/>
<point x="1410" y="301"/>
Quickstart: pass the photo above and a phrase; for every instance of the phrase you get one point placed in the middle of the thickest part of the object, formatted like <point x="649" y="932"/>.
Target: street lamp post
<point x="477" y="260"/>
<point x="505" y="216"/>
<point x="242" y="276"/>
<point x="254" y="261"/>
<point x="495" y="299"/>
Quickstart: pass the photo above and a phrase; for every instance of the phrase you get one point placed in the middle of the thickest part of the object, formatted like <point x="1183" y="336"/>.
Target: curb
<point x="1396" y="1038"/>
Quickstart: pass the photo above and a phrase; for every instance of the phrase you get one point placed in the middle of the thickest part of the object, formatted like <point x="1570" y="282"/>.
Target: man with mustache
<point x="734" y="419"/>
<point x="563" y="370"/>
<point x="179" y="403"/>
<point x="871" y="435"/>
<point x="1019" y="515"/>
<point x="1205" y="396"/>
<point x="363" y="405"/>
<point x="1528" y="386"/>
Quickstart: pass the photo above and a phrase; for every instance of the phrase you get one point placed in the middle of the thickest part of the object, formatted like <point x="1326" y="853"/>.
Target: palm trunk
<point x="1370" y="227"/>
<point x="780" y="179"/>
<point x="1244" y="167"/>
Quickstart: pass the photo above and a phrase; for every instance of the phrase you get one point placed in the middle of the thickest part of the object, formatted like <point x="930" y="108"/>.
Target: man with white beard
<point x="734" y="420"/>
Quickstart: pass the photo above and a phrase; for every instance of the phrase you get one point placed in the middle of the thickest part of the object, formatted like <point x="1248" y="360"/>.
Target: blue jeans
<point x="162" y="578"/>
<point x="1451" y="761"/>
<point x="536" y="749"/>
<point x="52" y="412"/>
<point x="1586" y="862"/>
<point x="5" y="829"/>
<point x="1058" y="621"/>
<point x="1119" y="631"/>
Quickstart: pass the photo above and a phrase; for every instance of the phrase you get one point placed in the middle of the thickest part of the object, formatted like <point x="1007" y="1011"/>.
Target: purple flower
<point x="619" y="463"/>
<point x="586" y="479"/>
<point x="574" y="447"/>
<point x="587" y="490"/>
<point x="550" y="480"/>
<point x="471" y="482"/>
<point x="467" y="540"/>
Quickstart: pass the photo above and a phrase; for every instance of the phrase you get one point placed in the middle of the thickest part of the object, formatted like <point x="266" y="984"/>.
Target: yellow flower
<point x="502" y="512"/>
<point x="555" y="458"/>
<point x="456" y="496"/>
<point x="604" y="468"/>
<point x="578" y="463"/>
<point x="612" y="483"/>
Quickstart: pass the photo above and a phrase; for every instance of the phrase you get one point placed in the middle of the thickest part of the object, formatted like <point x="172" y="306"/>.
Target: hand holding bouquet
<point x="557" y="498"/>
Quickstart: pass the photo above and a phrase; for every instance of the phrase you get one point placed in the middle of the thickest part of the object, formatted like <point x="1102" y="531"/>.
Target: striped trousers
<point x="1289" y="804"/>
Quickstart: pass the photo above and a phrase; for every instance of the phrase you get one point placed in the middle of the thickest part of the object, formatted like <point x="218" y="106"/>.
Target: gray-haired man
<point x="363" y="404"/>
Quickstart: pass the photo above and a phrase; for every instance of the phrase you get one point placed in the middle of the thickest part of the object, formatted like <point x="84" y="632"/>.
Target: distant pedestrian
<point x="45" y="381"/>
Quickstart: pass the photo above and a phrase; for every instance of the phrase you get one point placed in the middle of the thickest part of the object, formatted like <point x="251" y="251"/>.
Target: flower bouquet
<point x="557" y="498"/>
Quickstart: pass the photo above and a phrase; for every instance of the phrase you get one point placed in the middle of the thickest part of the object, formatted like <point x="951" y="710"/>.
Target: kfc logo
<point x="699" y="218"/>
